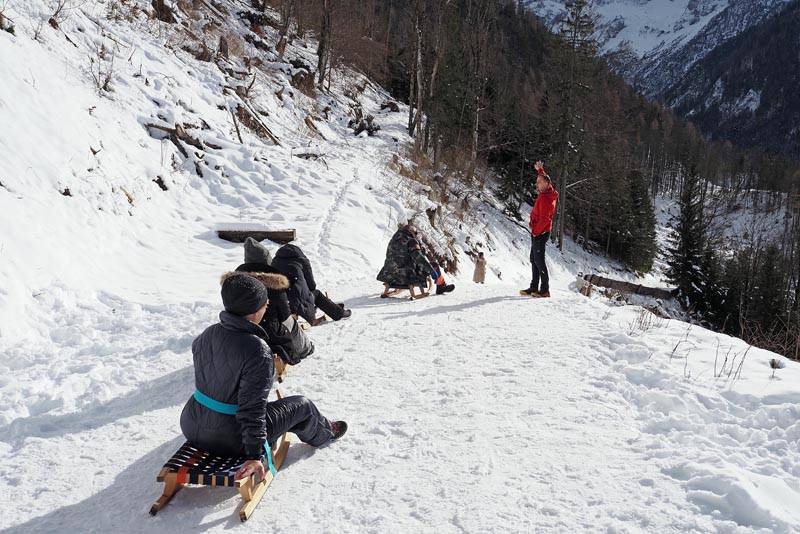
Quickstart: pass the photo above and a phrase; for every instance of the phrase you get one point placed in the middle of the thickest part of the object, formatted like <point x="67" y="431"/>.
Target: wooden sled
<point x="305" y="325"/>
<point x="394" y="291"/>
<point x="191" y="465"/>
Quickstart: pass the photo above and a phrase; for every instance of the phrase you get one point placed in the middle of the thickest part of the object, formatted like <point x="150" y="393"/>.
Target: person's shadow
<point x="169" y="390"/>
<point x="375" y="301"/>
<point x="447" y="308"/>
<point x="124" y="504"/>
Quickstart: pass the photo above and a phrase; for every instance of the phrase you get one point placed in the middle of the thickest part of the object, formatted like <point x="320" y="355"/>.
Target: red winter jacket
<point x="542" y="213"/>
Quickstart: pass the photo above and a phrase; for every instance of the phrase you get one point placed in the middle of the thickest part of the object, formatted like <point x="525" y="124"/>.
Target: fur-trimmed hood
<point x="270" y="280"/>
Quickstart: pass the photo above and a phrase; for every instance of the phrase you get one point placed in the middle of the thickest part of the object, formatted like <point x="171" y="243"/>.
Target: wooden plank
<point x="281" y="237"/>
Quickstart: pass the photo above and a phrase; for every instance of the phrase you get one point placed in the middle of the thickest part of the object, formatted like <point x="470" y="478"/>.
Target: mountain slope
<point x="654" y="44"/>
<point x="665" y="69"/>
<point x="668" y="50"/>
<point x="745" y="90"/>
<point x="476" y="411"/>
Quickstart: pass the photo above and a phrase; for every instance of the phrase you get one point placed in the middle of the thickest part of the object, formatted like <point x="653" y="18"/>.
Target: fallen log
<point x="629" y="287"/>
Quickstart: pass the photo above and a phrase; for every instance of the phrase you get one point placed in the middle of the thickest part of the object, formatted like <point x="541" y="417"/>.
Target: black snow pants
<point x="538" y="265"/>
<point x="328" y="307"/>
<point x="300" y="416"/>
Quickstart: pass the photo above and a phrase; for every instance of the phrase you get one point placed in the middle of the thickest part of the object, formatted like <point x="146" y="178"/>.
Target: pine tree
<point x="641" y="227"/>
<point x="769" y="298"/>
<point x="687" y="250"/>
<point x="577" y="29"/>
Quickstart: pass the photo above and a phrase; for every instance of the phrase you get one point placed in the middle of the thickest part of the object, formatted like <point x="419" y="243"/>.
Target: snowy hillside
<point x="477" y="411"/>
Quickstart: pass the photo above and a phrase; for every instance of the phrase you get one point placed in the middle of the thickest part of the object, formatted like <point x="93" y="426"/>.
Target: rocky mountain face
<point x="659" y="71"/>
<point x="746" y="90"/>
<point x="676" y="51"/>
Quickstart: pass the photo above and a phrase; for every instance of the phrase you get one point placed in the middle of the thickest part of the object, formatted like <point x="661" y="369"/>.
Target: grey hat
<point x="255" y="252"/>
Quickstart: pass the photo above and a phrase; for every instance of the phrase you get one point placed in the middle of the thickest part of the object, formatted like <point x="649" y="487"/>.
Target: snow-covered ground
<point x="477" y="411"/>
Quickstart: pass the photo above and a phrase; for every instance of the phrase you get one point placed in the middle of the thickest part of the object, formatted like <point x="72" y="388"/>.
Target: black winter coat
<point x="284" y="335"/>
<point x="405" y="263"/>
<point x="291" y="261"/>
<point x="232" y="364"/>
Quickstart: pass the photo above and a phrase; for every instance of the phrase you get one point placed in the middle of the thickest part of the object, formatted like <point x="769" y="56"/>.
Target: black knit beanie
<point x="242" y="294"/>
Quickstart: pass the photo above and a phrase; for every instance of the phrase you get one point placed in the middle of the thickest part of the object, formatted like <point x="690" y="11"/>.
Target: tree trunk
<point x="411" y="83"/>
<point x="420" y="85"/>
<point x="287" y="7"/>
<point x="323" y="49"/>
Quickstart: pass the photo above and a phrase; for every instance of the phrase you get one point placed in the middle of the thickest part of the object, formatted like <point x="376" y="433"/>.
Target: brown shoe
<point x="541" y="294"/>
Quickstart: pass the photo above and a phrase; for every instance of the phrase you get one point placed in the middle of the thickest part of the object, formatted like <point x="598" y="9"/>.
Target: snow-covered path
<point x="478" y="411"/>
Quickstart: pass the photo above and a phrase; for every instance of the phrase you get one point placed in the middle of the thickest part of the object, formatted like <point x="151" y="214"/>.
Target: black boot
<point x="339" y="428"/>
<point x="444" y="288"/>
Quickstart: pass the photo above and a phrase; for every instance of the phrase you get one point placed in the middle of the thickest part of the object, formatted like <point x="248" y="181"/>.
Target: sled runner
<point x="414" y="296"/>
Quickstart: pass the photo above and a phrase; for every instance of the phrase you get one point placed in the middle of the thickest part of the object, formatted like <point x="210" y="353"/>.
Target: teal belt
<point x="230" y="409"/>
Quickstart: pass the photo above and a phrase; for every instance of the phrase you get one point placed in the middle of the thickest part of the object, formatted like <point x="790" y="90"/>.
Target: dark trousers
<point x="328" y="307"/>
<point x="538" y="265"/>
<point x="300" y="416"/>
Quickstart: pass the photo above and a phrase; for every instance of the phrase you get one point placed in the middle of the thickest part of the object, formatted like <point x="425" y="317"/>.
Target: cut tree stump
<point x="281" y="237"/>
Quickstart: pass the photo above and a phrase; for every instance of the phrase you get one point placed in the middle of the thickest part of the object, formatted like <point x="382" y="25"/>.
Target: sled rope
<point x="230" y="409"/>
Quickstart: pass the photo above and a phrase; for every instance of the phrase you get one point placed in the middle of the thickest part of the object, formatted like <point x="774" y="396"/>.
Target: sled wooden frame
<point x="392" y="291"/>
<point x="281" y="368"/>
<point x="250" y="490"/>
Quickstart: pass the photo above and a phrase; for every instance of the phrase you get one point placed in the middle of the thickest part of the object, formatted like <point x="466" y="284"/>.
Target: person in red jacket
<point x="541" y="224"/>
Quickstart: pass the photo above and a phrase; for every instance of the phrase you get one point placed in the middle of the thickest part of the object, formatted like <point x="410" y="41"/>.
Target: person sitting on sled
<point x="284" y="335"/>
<point x="406" y="267"/>
<point x="229" y="415"/>
<point x="304" y="297"/>
<point x="541" y="224"/>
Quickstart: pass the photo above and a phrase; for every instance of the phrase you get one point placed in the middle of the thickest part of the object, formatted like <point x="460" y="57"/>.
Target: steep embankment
<point x="568" y="414"/>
